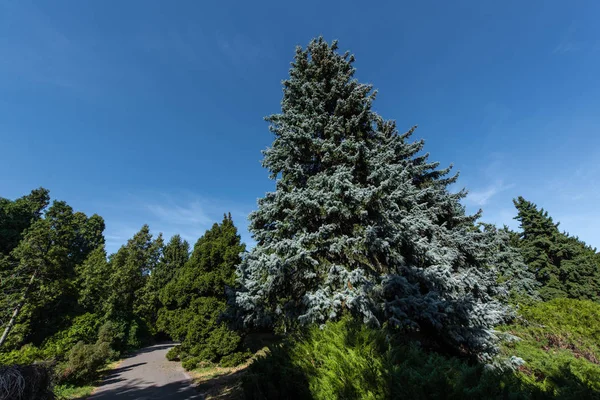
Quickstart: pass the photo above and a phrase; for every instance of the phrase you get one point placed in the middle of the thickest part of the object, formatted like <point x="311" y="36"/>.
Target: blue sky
<point x="151" y="112"/>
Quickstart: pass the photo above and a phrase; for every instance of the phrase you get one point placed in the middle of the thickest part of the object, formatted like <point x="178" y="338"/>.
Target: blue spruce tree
<point x="361" y="221"/>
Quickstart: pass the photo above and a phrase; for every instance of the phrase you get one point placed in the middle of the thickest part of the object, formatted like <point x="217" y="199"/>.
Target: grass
<point x="73" y="392"/>
<point x="69" y="392"/>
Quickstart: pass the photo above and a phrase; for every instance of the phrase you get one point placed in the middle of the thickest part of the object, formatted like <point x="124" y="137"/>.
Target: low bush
<point x="234" y="359"/>
<point x="191" y="363"/>
<point x="27" y="354"/>
<point x="84" y="362"/>
<point x="559" y="341"/>
<point x="173" y="354"/>
<point x="84" y="328"/>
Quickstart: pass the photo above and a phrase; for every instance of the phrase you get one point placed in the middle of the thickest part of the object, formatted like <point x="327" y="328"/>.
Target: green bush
<point x="173" y="354"/>
<point x="210" y="344"/>
<point x="559" y="341"/>
<point x="113" y="333"/>
<point x="191" y="363"/>
<point x="234" y="359"/>
<point x="27" y="354"/>
<point x="347" y="360"/>
<point x="84" y="328"/>
<point x="84" y="362"/>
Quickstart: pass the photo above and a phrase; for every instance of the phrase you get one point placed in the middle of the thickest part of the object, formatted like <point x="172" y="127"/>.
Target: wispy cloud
<point x="570" y="43"/>
<point x="186" y="214"/>
<point x="482" y="196"/>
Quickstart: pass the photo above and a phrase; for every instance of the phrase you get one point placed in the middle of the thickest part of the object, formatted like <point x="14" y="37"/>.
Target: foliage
<point x="84" y="362"/>
<point x="564" y="265"/>
<point x="195" y="298"/>
<point x="347" y="360"/>
<point x="235" y="359"/>
<point x="559" y="341"/>
<point x="66" y="391"/>
<point x="362" y="221"/>
<point x="84" y="328"/>
<point x="18" y="215"/>
<point x="174" y="256"/>
<point x="173" y="354"/>
<point x="28" y="354"/>
<point x="44" y="271"/>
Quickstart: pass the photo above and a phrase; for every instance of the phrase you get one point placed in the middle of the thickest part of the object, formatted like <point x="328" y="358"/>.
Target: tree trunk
<point x="17" y="310"/>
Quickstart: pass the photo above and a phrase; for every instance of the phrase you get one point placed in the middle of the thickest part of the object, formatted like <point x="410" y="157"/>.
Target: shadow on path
<point x="131" y="391"/>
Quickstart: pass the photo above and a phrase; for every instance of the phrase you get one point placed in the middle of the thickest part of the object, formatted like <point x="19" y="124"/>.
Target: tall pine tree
<point x="563" y="265"/>
<point x="361" y="221"/>
<point x="195" y="298"/>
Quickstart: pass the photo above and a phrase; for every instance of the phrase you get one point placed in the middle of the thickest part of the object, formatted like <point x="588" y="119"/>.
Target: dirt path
<point x="147" y="375"/>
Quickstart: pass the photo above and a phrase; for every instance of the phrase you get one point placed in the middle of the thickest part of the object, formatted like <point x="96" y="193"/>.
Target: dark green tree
<point x="174" y="256"/>
<point x="563" y="265"/>
<point x="93" y="277"/>
<point x="16" y="216"/>
<point x="42" y="273"/>
<point x="196" y="297"/>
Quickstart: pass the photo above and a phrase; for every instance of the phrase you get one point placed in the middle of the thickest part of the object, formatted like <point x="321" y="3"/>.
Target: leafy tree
<point x="564" y="265"/>
<point x="513" y="272"/>
<point x="18" y="215"/>
<point x="94" y="281"/>
<point x="362" y="221"/>
<point x="41" y="278"/>
<point x="195" y="298"/>
<point x="131" y="268"/>
<point x="174" y="256"/>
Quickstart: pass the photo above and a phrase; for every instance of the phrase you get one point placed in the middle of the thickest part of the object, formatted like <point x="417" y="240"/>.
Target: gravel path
<point x="147" y="375"/>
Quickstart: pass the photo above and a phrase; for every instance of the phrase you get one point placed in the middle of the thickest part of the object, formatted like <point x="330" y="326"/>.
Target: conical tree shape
<point x="196" y="298"/>
<point x="360" y="222"/>
<point x="563" y="265"/>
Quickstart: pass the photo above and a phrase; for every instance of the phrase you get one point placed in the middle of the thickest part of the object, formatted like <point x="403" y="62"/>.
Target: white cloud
<point x="185" y="214"/>
<point x="482" y="196"/>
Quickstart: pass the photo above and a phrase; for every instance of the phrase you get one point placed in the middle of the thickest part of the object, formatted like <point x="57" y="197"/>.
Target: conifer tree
<point x="563" y="265"/>
<point x="43" y="270"/>
<point x="131" y="267"/>
<point x="18" y="215"/>
<point x="196" y="297"/>
<point x="362" y="221"/>
<point x="94" y="278"/>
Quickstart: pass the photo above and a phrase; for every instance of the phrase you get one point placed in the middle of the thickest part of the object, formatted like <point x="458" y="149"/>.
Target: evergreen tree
<point x="174" y="256"/>
<point x="513" y="272"/>
<point x="563" y="265"/>
<point x="361" y="221"/>
<point x="93" y="278"/>
<point x="131" y="267"/>
<point x="16" y="216"/>
<point x="42" y="275"/>
<point x="129" y="304"/>
<point x="195" y="298"/>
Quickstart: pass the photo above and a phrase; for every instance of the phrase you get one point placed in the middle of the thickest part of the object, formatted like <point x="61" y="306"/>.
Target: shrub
<point x="84" y="328"/>
<point x="234" y="359"/>
<point x="210" y="344"/>
<point x="349" y="361"/>
<point x="112" y="332"/>
<point x="28" y="354"/>
<point x="84" y="362"/>
<point x="173" y="354"/>
<point x="191" y="363"/>
<point x="559" y="341"/>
